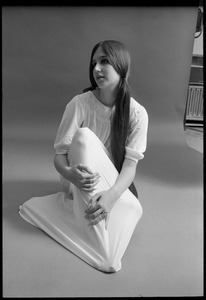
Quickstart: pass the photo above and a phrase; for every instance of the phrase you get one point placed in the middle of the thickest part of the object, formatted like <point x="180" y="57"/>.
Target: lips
<point x="98" y="77"/>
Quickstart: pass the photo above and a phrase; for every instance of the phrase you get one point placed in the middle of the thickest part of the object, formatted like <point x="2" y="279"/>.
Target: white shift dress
<point x="61" y="215"/>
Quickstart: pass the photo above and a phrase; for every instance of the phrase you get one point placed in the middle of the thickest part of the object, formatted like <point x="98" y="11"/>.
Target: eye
<point x="104" y="61"/>
<point x="93" y="63"/>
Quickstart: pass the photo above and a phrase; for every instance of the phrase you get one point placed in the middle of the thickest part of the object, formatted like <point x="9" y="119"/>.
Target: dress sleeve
<point x="137" y="140"/>
<point x="71" y="121"/>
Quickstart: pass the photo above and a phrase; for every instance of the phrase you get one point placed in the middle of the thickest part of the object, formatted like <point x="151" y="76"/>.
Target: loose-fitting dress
<point x="84" y="136"/>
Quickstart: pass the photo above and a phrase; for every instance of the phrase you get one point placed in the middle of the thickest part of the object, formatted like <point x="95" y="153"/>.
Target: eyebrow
<point x="103" y="56"/>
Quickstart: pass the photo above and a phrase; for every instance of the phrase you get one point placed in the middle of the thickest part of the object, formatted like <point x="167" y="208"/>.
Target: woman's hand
<point x="82" y="177"/>
<point x="100" y="206"/>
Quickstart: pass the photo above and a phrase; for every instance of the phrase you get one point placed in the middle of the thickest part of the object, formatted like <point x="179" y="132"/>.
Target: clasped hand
<point x="100" y="205"/>
<point x="83" y="178"/>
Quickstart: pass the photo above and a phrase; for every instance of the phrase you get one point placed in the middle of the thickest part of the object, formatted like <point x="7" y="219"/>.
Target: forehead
<point x="99" y="53"/>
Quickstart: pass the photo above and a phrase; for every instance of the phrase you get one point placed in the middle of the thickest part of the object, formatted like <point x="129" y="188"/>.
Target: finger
<point x="87" y="170"/>
<point x="90" y="178"/>
<point x="93" y="204"/>
<point x="94" y="199"/>
<point x="84" y="168"/>
<point x="92" y="209"/>
<point x="93" y="180"/>
<point x="96" y="176"/>
<point x="92" y="223"/>
<point x="94" y="215"/>
<point x="88" y="190"/>
<point x="95" y="221"/>
<point x="90" y="182"/>
<point x="89" y="187"/>
<point x="86" y="182"/>
<point x="98" y="219"/>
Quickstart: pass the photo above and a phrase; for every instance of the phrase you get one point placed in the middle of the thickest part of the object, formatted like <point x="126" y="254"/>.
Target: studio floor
<point x="164" y="257"/>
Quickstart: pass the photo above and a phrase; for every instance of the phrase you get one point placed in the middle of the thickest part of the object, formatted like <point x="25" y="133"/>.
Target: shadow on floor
<point x="172" y="164"/>
<point x="16" y="193"/>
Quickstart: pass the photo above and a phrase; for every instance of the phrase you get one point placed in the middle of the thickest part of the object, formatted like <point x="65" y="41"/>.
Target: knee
<point x="82" y="136"/>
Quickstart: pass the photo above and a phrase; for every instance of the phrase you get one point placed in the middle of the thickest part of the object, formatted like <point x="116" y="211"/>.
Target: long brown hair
<point x="119" y="58"/>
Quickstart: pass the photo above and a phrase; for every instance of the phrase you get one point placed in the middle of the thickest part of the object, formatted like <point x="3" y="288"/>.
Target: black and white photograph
<point x="102" y="151"/>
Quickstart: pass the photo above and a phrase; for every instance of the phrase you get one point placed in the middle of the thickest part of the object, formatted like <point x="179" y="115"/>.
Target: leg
<point x="64" y="220"/>
<point x="86" y="148"/>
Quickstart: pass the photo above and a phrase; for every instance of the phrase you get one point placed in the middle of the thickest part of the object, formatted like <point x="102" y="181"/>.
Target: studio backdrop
<point x="45" y="63"/>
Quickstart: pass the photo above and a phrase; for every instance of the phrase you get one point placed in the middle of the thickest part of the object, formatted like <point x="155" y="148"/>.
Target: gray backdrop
<point x="46" y="53"/>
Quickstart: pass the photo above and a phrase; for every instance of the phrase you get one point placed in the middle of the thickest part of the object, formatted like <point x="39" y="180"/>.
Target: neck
<point x="106" y="97"/>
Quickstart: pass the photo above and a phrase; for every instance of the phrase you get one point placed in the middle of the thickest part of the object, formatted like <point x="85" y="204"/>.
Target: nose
<point x="97" y="67"/>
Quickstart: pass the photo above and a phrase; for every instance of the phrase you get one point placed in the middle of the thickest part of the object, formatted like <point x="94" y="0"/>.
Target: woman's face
<point x="104" y="73"/>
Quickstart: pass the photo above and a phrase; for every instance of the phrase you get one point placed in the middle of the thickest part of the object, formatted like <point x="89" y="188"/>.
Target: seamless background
<point x="45" y="62"/>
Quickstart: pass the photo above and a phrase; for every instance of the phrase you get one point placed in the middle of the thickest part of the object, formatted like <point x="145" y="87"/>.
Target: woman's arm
<point x="61" y="164"/>
<point x="104" y="201"/>
<point x="80" y="175"/>
<point x="126" y="177"/>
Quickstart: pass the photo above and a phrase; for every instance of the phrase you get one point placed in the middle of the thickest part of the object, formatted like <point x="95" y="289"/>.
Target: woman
<point x="101" y="137"/>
